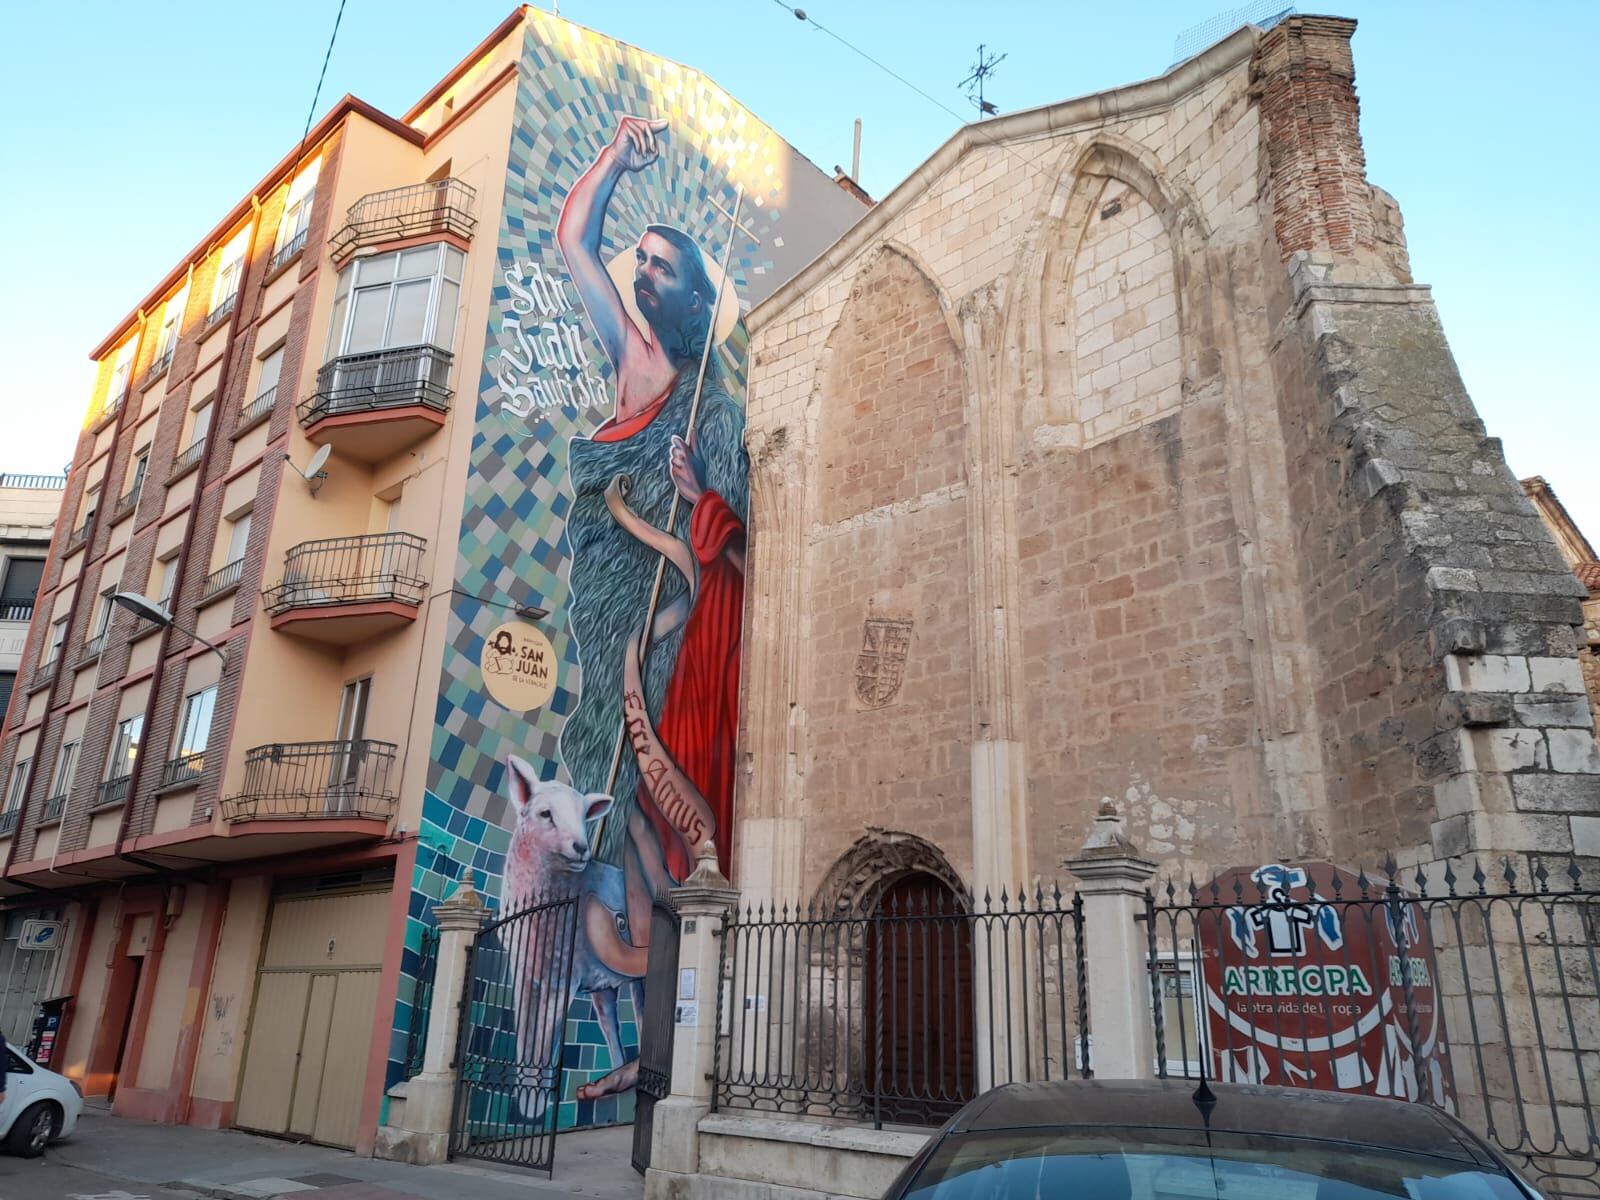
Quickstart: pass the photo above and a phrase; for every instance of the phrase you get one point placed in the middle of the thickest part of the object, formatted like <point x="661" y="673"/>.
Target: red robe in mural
<point x="700" y="716"/>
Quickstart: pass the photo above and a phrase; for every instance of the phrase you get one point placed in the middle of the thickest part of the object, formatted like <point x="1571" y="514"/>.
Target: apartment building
<point x="217" y="798"/>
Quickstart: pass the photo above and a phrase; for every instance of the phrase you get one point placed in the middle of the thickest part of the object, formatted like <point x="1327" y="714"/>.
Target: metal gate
<point x="656" y="1032"/>
<point x="519" y="984"/>
<point x="1477" y="993"/>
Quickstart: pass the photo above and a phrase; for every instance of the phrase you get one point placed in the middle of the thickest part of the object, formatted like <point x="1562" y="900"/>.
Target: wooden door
<point x="918" y="984"/>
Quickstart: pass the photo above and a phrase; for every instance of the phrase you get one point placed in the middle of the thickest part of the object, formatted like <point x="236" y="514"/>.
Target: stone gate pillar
<point x="1114" y="874"/>
<point x="419" y="1125"/>
<point x="703" y="901"/>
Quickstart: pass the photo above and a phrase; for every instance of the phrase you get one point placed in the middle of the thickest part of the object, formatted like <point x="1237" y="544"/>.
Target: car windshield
<point x="1148" y="1164"/>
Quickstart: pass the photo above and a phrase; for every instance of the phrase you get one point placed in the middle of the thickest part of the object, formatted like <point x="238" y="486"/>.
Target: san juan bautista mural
<point x="590" y="751"/>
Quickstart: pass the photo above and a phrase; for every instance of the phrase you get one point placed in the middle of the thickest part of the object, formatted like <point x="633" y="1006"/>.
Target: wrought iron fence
<point x="396" y="378"/>
<point x="54" y="806"/>
<point x="904" y="1013"/>
<point x="421" y="1000"/>
<point x="1476" y="993"/>
<point x="8" y="821"/>
<point x="297" y="781"/>
<point x="127" y="502"/>
<point x="287" y="251"/>
<point x="91" y="649"/>
<point x="158" y="367"/>
<point x="510" y="1058"/>
<point x="437" y="206"/>
<point x="221" y="312"/>
<point x="224" y="577"/>
<point x="350" y="570"/>
<point x="80" y="535"/>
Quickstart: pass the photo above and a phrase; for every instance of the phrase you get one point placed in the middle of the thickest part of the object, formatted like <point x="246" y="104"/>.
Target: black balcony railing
<point x="16" y="610"/>
<point x="189" y="458"/>
<point x="113" y="792"/>
<point x="127" y="502"/>
<point x="439" y="206"/>
<point x="8" y="824"/>
<point x="297" y="781"/>
<point x="53" y="808"/>
<point x="356" y="383"/>
<point x="184" y="770"/>
<point x="223" y="579"/>
<point x="287" y="251"/>
<point x="92" y="648"/>
<point x="44" y="674"/>
<point x="159" y="367"/>
<point x="220" y="313"/>
<point x="351" y="570"/>
<point x="80" y="535"/>
<point x="258" y="408"/>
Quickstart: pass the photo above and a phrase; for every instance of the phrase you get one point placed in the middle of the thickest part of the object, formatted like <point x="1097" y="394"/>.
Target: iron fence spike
<point x="1509" y="874"/>
<point x="1574" y="873"/>
<point x="1478" y="876"/>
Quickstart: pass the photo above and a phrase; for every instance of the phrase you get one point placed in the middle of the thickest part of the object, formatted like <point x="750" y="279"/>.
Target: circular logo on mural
<point x="1307" y="982"/>
<point x="519" y="666"/>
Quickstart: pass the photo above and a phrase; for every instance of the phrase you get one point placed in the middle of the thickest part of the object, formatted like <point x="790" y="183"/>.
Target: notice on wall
<point x="519" y="666"/>
<point x="687" y="1012"/>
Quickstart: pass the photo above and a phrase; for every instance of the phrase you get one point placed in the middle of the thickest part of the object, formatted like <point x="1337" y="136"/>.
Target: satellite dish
<point x="315" y="471"/>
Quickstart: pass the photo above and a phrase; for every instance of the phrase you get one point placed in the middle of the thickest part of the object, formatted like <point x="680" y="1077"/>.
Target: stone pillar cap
<point x="463" y="910"/>
<point x="1109" y="853"/>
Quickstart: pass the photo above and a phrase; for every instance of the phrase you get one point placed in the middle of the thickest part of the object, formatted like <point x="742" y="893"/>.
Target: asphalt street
<point x="52" y="1178"/>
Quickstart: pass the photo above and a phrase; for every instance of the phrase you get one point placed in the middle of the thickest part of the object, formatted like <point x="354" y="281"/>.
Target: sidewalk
<point x="239" y="1166"/>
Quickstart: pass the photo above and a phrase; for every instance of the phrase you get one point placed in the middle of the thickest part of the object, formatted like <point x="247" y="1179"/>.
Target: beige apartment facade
<point x="1116" y="457"/>
<point x="223" y="802"/>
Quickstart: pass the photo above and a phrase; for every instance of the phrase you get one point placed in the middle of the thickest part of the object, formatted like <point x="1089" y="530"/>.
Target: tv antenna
<point x="315" y="472"/>
<point x="981" y="70"/>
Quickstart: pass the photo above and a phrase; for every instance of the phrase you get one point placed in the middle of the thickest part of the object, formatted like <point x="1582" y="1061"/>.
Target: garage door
<point x="306" y="1058"/>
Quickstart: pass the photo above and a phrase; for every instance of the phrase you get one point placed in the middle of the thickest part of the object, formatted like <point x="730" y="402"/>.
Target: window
<point x="102" y="613"/>
<point x="21" y="588"/>
<point x="407" y="298"/>
<point x="297" y="206"/>
<point x="229" y="267"/>
<point x="125" y="749"/>
<point x="166" y="578"/>
<point x="65" y="762"/>
<point x="19" y="785"/>
<point x="268" y="380"/>
<point x="8" y="683"/>
<point x="197" y="722"/>
<point x="345" y="769"/>
<point x="200" y="427"/>
<point x="352" y="726"/>
<point x="58" y="634"/>
<point x="121" y="369"/>
<point x="141" y="464"/>
<point x="171" y="322"/>
<point x="238" y="537"/>
<point x="1182" y="1018"/>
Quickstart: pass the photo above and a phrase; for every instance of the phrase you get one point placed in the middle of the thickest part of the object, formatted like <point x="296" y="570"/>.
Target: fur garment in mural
<point x="613" y="573"/>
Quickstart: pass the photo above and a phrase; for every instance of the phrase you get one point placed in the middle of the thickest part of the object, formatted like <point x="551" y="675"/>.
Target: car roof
<point x="1240" y="1108"/>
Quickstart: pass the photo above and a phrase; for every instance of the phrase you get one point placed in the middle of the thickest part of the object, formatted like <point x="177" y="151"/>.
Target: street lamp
<point x="157" y="614"/>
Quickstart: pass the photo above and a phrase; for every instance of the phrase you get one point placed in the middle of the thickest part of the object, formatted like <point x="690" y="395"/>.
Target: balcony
<point x="438" y="206"/>
<point x="8" y="822"/>
<point x="257" y="411"/>
<point x="113" y="793"/>
<point x="127" y="502"/>
<point x="79" y="536"/>
<point x="287" y="253"/>
<point x="158" y="368"/>
<point x="220" y="313"/>
<point x="54" y="807"/>
<point x="315" y="781"/>
<point x="372" y="406"/>
<point x="346" y="590"/>
<point x="223" y="580"/>
<point x="45" y="673"/>
<point x="91" y="649"/>
<point x="187" y="460"/>
<point x="183" y="771"/>
<point x="16" y="610"/>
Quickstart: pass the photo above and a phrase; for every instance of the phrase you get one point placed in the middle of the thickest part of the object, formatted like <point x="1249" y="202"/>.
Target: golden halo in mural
<point x="519" y="666"/>
<point x="621" y="267"/>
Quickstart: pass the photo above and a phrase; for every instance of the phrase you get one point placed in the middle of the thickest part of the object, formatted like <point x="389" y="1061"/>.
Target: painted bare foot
<point x="624" y="1079"/>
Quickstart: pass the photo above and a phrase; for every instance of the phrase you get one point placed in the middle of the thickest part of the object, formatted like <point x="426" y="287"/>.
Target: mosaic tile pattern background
<point x="573" y="88"/>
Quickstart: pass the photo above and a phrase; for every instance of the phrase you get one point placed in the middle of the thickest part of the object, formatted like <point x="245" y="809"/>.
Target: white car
<point x="40" y="1106"/>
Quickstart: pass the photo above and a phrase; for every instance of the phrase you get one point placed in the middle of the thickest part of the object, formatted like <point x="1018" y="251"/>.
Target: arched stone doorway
<point x="919" y="1060"/>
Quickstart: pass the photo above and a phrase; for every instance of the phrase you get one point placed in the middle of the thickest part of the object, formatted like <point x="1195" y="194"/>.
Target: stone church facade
<point x="1117" y="455"/>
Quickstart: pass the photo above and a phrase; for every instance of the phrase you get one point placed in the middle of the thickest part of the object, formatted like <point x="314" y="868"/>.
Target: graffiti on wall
<point x="590" y="751"/>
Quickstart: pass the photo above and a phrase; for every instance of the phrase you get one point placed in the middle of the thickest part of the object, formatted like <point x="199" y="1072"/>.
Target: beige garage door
<point x="306" y="1060"/>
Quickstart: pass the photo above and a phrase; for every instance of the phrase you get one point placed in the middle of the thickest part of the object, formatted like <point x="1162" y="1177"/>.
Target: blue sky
<point x="1481" y="126"/>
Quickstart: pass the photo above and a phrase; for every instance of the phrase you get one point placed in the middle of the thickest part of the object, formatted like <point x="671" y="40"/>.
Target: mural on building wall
<point x="591" y="749"/>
